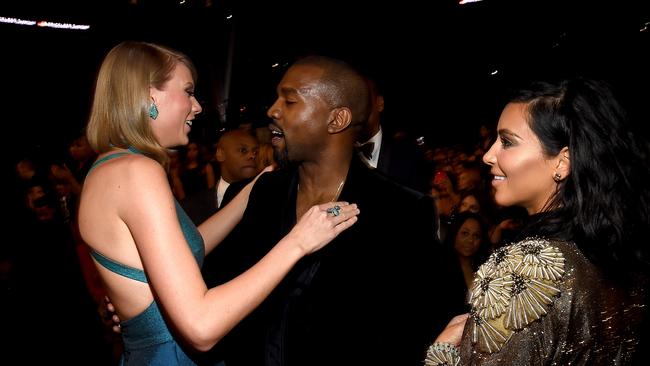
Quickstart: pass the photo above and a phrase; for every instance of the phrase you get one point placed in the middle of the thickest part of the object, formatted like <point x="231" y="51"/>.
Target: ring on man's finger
<point x="334" y="211"/>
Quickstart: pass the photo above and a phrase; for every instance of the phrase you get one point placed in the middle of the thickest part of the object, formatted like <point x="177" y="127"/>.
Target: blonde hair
<point x="265" y="156"/>
<point x="119" y="115"/>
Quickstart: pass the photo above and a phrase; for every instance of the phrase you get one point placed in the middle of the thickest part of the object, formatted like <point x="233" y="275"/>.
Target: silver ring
<point x="334" y="211"/>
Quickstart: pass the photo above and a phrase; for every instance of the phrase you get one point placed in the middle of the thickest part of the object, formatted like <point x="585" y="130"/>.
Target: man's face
<point x="236" y="156"/>
<point x="300" y="115"/>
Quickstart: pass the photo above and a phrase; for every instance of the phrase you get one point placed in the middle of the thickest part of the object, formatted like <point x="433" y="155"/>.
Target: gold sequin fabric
<point x="442" y="354"/>
<point x="512" y="289"/>
<point x="542" y="302"/>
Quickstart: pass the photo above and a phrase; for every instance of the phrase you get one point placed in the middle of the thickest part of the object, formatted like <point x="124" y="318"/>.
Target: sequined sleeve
<point x="442" y="354"/>
<point x="539" y="302"/>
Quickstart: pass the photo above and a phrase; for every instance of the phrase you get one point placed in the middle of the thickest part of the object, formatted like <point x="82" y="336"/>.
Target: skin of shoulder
<point x="130" y="216"/>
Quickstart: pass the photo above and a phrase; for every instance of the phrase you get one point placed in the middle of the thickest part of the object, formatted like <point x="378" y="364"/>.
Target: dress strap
<point x="119" y="268"/>
<point x="130" y="150"/>
<point x="105" y="159"/>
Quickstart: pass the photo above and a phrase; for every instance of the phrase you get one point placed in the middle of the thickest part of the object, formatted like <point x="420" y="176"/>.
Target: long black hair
<point x="603" y="204"/>
<point x="485" y="248"/>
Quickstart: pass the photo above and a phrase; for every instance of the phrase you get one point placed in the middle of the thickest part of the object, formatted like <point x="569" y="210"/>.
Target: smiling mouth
<point x="276" y="133"/>
<point x="189" y="123"/>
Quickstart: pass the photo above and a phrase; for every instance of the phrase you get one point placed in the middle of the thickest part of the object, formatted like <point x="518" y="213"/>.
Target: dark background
<point x="434" y="59"/>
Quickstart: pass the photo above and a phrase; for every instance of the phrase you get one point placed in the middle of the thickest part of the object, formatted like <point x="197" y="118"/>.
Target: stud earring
<point x="557" y="177"/>
<point x="153" y="111"/>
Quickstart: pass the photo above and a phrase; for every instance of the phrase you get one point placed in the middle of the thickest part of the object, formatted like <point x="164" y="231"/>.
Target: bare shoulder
<point x="140" y="165"/>
<point x="123" y="180"/>
<point x="131" y="166"/>
<point x="122" y="188"/>
<point x="141" y="176"/>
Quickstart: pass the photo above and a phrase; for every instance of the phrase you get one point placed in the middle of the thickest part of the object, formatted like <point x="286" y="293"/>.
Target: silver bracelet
<point x="442" y="354"/>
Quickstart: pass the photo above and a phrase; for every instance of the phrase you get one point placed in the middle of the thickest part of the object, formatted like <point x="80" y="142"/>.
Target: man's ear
<point x="340" y="119"/>
<point x="380" y="103"/>
<point x="220" y="155"/>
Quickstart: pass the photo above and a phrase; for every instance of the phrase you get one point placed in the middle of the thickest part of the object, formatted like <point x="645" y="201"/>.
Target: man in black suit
<point x="236" y="155"/>
<point x="236" y="152"/>
<point x="394" y="154"/>
<point x="381" y="291"/>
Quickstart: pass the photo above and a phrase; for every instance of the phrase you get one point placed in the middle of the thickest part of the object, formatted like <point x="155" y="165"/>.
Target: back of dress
<point x="147" y="339"/>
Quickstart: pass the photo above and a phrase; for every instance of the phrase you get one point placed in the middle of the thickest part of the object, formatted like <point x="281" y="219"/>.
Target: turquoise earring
<point x="153" y="111"/>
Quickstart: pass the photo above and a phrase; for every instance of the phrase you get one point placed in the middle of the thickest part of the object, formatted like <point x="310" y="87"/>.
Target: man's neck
<point x="371" y="135"/>
<point x="319" y="184"/>
<point x="321" y="179"/>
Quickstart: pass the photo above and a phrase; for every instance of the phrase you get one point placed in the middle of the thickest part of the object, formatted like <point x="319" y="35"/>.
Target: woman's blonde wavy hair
<point x="119" y="116"/>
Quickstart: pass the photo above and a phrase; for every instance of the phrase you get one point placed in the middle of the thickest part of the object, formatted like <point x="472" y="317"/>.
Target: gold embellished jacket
<point x="541" y="302"/>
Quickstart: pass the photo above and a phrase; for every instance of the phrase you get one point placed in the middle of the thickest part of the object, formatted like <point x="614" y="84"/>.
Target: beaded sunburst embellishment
<point x="442" y="354"/>
<point x="512" y="289"/>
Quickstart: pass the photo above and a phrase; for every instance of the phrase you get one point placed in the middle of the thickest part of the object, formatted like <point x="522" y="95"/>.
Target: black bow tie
<point x="366" y="149"/>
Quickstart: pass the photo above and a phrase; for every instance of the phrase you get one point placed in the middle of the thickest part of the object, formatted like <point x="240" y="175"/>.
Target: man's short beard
<point x="281" y="157"/>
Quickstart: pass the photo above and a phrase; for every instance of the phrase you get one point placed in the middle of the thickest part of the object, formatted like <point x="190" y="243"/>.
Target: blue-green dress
<point x="147" y="339"/>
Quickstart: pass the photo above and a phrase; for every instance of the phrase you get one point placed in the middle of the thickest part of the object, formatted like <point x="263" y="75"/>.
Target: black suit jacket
<point x="216" y="266"/>
<point x="377" y="294"/>
<point x="203" y="204"/>
<point x="403" y="161"/>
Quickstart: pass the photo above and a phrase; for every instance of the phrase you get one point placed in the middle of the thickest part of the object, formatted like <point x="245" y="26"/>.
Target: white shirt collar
<point x="221" y="190"/>
<point x="374" y="159"/>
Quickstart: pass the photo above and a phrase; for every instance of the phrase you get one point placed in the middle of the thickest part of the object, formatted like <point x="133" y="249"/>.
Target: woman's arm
<point x="453" y="332"/>
<point x="201" y="316"/>
<point x="445" y="350"/>
<point x="219" y="225"/>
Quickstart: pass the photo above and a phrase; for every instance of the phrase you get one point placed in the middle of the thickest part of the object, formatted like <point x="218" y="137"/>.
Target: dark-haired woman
<point x="571" y="291"/>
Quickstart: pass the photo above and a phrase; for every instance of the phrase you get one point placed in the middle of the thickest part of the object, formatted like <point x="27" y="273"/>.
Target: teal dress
<point x="147" y="339"/>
